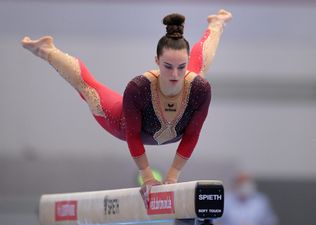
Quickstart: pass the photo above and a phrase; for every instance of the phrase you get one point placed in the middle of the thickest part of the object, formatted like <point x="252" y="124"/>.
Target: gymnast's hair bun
<point x="174" y="23"/>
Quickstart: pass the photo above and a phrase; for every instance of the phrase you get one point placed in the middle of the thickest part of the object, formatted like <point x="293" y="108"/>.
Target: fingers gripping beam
<point x="194" y="199"/>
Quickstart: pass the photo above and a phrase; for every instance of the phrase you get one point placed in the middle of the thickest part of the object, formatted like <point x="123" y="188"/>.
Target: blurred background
<point x="262" y="117"/>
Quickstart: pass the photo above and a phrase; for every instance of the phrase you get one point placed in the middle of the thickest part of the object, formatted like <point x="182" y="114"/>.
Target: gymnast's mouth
<point x="173" y="81"/>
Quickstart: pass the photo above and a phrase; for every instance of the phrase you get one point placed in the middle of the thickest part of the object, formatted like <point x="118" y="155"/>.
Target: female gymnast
<point x="158" y="107"/>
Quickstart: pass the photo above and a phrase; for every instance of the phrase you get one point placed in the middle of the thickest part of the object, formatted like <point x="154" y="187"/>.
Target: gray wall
<point x="262" y="115"/>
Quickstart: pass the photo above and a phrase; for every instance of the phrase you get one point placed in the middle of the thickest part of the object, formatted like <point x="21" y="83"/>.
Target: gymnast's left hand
<point x="170" y="181"/>
<point x="174" y="171"/>
<point x="149" y="181"/>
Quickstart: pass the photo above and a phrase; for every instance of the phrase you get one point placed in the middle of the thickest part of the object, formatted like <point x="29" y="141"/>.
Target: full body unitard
<point x="135" y="116"/>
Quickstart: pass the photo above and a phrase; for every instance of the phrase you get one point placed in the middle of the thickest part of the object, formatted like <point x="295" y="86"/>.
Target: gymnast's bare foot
<point x="222" y="17"/>
<point x="40" y="47"/>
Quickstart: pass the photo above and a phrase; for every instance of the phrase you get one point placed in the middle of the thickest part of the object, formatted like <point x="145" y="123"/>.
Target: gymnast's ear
<point x="157" y="60"/>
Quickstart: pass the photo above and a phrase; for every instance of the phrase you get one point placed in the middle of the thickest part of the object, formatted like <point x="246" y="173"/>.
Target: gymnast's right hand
<point x="145" y="191"/>
<point x="40" y="47"/>
<point x="149" y="181"/>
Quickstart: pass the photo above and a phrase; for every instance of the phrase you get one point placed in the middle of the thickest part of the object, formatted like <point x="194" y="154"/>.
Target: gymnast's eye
<point x="168" y="67"/>
<point x="181" y="67"/>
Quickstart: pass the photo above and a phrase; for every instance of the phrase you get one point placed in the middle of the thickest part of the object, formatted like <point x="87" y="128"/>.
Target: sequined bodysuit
<point x="146" y="124"/>
<point x="135" y="116"/>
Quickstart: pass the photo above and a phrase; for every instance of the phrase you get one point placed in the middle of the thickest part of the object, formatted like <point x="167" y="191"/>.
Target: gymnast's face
<point x="172" y="65"/>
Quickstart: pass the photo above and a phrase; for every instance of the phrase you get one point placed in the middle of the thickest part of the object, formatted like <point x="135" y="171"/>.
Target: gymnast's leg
<point x="203" y="52"/>
<point x="105" y="104"/>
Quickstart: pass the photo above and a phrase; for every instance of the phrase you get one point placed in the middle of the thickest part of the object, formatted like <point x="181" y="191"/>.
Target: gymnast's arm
<point x="133" y="117"/>
<point x="203" y="52"/>
<point x="189" y="138"/>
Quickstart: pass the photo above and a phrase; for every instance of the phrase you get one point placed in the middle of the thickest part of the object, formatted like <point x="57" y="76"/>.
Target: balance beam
<point x="187" y="200"/>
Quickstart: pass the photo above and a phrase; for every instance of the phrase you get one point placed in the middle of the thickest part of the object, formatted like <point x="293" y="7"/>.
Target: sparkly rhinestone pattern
<point x="139" y="118"/>
<point x="204" y="50"/>
<point x="145" y="121"/>
<point x="167" y="131"/>
<point x="209" y="48"/>
<point x="68" y="67"/>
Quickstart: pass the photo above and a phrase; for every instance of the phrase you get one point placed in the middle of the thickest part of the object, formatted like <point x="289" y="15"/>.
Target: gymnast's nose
<point x="175" y="74"/>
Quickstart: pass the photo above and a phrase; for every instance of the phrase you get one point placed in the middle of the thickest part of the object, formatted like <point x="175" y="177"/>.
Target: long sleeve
<point x="132" y="112"/>
<point x="192" y="132"/>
